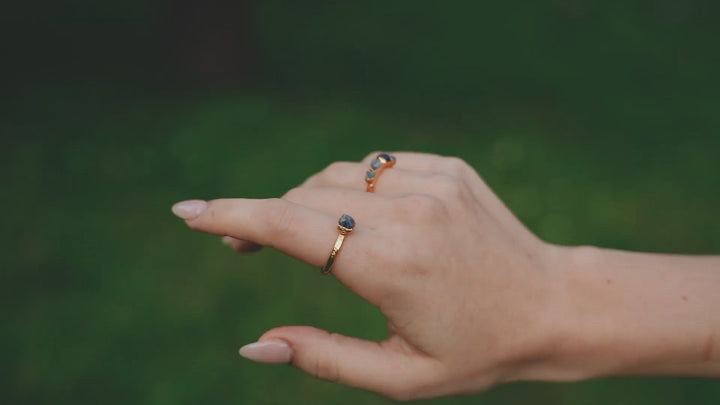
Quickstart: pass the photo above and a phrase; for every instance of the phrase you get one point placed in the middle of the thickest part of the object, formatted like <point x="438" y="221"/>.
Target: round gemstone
<point x="375" y="164"/>
<point x="346" y="221"/>
<point x="370" y="174"/>
<point x="384" y="156"/>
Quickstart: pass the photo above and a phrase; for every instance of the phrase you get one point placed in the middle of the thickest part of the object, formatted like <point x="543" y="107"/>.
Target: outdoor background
<point x="597" y="122"/>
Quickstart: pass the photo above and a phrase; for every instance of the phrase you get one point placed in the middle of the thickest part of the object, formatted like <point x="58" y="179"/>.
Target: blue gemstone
<point x="346" y="221"/>
<point x="370" y="174"/>
<point x="384" y="156"/>
<point x="375" y="164"/>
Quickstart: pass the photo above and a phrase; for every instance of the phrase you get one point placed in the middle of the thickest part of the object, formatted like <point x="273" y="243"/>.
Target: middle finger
<point x="348" y="175"/>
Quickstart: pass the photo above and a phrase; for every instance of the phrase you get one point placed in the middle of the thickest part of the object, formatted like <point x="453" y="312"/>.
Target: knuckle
<point x="215" y="209"/>
<point x="457" y="165"/>
<point x="217" y="217"/>
<point x="446" y="187"/>
<point x="463" y="169"/>
<point x="336" y="167"/>
<point x="217" y="206"/>
<point x="334" y="171"/>
<point x="327" y="367"/>
<point x="295" y="194"/>
<point x="416" y="207"/>
<point x="277" y="215"/>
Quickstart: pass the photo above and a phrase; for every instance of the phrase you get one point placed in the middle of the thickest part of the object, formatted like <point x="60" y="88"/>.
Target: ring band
<point x="377" y="165"/>
<point x="346" y="223"/>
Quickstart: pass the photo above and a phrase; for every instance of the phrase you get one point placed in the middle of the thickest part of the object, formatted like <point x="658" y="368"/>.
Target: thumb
<point x="351" y="361"/>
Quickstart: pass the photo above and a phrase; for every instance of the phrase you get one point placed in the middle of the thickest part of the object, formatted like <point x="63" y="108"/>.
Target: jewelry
<point x="380" y="163"/>
<point x="346" y="223"/>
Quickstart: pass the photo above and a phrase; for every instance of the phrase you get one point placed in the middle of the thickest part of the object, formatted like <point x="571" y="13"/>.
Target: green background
<point x="596" y="122"/>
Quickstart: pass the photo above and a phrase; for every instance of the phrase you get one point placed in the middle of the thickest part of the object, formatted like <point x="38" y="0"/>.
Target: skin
<point x="472" y="297"/>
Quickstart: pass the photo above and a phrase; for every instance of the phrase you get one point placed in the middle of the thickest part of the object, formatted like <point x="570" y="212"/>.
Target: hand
<point x="472" y="298"/>
<point x="467" y="290"/>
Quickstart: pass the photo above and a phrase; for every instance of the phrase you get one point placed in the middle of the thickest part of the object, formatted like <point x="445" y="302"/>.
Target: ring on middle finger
<point x="377" y="165"/>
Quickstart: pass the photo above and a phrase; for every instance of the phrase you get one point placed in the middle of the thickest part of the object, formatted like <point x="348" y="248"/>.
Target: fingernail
<point x="189" y="209"/>
<point x="268" y="351"/>
<point x="227" y="240"/>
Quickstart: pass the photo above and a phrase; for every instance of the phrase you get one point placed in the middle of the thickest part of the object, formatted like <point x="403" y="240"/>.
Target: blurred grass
<point x="111" y="297"/>
<point x="595" y="124"/>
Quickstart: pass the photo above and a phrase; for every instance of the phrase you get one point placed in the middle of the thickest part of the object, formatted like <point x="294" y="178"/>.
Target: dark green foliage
<point x="596" y="122"/>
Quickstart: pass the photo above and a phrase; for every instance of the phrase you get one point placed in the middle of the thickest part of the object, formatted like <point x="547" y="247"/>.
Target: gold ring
<point x="380" y="163"/>
<point x="346" y="223"/>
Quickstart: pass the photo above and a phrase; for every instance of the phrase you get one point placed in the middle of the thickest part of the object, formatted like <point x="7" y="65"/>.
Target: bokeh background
<point x="595" y="121"/>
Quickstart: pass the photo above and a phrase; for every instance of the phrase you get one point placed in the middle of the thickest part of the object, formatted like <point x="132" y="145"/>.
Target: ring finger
<point x="348" y="175"/>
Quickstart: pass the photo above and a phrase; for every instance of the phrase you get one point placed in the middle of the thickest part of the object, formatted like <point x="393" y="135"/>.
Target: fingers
<point x="356" y="362"/>
<point x="425" y="162"/>
<point x="421" y="173"/>
<point x="351" y="176"/>
<point x="394" y="183"/>
<point x="410" y="165"/>
<point x="367" y="208"/>
<point x="301" y="232"/>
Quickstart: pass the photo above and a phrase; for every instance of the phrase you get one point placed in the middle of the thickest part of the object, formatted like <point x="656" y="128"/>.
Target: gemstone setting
<point x="381" y="162"/>
<point x="347" y="222"/>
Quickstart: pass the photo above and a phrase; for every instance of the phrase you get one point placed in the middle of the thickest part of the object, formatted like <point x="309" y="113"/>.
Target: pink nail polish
<point x="189" y="209"/>
<point x="268" y="351"/>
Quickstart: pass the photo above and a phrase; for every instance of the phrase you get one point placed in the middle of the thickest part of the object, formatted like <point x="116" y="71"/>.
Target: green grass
<point x="110" y="298"/>
<point x="595" y="124"/>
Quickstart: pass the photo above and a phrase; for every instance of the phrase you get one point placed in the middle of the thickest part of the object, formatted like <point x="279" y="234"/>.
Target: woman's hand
<point x="472" y="297"/>
<point x="467" y="290"/>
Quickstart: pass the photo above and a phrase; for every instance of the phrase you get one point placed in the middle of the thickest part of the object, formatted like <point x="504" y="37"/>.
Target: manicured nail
<point x="268" y="351"/>
<point x="189" y="209"/>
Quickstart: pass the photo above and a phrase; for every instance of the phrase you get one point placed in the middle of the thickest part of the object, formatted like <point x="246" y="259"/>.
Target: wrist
<point x="626" y="313"/>
<point x="559" y="343"/>
<point x="576" y="326"/>
<point x="587" y="338"/>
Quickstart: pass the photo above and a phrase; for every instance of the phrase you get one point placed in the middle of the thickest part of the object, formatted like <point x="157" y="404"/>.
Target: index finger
<point x="299" y="231"/>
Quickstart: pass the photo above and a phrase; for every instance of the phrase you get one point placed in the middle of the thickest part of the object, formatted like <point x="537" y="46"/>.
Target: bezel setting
<point x="381" y="162"/>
